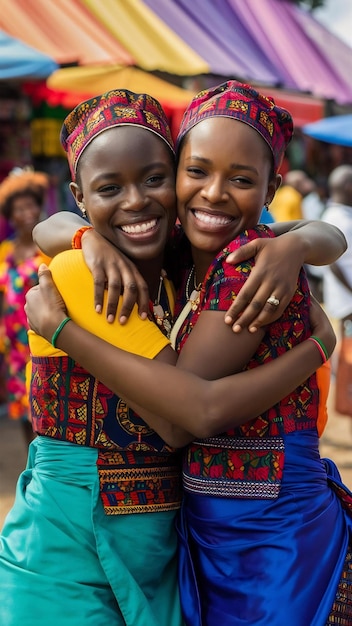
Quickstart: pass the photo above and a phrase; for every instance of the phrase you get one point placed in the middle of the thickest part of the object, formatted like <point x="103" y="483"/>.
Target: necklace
<point x="194" y="297"/>
<point x="161" y="315"/>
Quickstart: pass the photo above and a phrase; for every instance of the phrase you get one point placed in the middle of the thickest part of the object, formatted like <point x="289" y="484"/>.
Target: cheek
<point x="186" y="187"/>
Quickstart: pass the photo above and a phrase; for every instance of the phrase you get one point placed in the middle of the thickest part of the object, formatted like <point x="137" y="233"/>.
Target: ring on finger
<point x="273" y="300"/>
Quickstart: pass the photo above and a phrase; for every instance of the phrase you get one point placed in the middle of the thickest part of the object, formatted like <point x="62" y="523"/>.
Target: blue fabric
<point x="64" y="562"/>
<point x="266" y="217"/>
<point x="262" y="561"/>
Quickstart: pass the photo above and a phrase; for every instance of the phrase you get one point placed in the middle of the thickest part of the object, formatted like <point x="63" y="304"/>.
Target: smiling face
<point x="126" y="180"/>
<point x="224" y="178"/>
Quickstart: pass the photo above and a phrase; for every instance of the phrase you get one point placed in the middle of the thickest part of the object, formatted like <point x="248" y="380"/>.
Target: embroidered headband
<point x="113" y="108"/>
<point x="244" y="103"/>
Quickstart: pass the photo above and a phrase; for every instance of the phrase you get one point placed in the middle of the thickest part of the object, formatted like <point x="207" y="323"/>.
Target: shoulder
<point x="261" y="231"/>
<point x="223" y="281"/>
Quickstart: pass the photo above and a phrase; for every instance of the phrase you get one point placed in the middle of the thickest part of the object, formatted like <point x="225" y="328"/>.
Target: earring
<point x="266" y="205"/>
<point x="82" y="208"/>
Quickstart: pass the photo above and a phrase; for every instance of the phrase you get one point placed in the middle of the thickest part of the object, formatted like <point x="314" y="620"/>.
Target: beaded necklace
<point x="161" y="306"/>
<point x="194" y="297"/>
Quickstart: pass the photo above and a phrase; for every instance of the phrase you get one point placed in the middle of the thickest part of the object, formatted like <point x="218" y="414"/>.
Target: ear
<point x="273" y="186"/>
<point x="76" y="192"/>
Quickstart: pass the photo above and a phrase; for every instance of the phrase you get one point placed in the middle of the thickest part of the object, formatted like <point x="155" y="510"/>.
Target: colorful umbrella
<point x="337" y="130"/>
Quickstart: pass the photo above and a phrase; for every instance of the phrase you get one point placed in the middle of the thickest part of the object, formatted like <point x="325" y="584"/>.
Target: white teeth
<point x="217" y="220"/>
<point x="142" y="227"/>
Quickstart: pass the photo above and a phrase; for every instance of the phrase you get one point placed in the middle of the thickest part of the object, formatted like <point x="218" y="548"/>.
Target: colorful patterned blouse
<point x="238" y="461"/>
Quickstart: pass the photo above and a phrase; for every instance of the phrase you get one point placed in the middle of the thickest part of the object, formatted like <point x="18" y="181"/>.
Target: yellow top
<point x="74" y="281"/>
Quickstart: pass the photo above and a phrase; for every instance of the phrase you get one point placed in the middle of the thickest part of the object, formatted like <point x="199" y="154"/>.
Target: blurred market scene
<point x="57" y="53"/>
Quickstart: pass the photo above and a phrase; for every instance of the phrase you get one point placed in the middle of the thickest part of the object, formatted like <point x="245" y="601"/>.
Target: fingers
<point x="243" y="253"/>
<point x="134" y="294"/>
<point x="43" y="269"/>
<point x="120" y="279"/>
<point x="253" y="310"/>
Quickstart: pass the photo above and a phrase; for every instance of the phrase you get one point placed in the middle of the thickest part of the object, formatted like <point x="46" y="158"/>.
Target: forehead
<point x="227" y="134"/>
<point x="122" y="143"/>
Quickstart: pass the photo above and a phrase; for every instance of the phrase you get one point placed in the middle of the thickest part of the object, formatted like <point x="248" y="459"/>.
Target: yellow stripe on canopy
<point x="148" y="39"/>
<point x="94" y="80"/>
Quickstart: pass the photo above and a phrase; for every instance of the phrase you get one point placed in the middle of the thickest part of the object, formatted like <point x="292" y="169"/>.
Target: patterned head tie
<point x="113" y="108"/>
<point x="242" y="102"/>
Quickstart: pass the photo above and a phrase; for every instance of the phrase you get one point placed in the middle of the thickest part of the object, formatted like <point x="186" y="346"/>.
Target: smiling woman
<point x="114" y="479"/>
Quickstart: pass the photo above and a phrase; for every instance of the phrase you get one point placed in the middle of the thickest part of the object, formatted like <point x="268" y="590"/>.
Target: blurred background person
<point x="22" y="197"/>
<point x="287" y="204"/>
<point x="337" y="278"/>
<point x="300" y="197"/>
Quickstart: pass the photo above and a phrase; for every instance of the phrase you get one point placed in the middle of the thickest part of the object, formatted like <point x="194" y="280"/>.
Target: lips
<point x="140" y="228"/>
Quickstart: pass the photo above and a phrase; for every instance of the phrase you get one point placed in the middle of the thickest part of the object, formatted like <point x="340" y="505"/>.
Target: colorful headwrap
<point x="113" y="108"/>
<point x="242" y="102"/>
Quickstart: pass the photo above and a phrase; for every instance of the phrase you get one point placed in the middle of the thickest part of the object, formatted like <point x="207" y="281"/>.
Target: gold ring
<point x="274" y="301"/>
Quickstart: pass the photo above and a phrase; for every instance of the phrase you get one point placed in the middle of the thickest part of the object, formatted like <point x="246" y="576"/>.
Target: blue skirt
<point x="64" y="561"/>
<point x="260" y="562"/>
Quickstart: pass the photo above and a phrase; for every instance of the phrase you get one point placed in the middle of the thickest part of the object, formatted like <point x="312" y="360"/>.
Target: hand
<point x="277" y="266"/>
<point x="111" y="269"/>
<point x="45" y="308"/>
<point x="321" y="326"/>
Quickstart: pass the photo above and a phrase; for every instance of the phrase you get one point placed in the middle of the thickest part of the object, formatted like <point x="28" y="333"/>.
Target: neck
<point x="201" y="261"/>
<point x="150" y="270"/>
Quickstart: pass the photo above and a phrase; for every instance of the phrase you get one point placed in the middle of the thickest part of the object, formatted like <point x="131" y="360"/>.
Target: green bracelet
<point x="58" y="330"/>
<point x="319" y="341"/>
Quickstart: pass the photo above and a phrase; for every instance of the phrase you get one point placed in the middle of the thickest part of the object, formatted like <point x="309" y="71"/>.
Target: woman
<point x="258" y="513"/>
<point x="22" y="196"/>
<point x="95" y="508"/>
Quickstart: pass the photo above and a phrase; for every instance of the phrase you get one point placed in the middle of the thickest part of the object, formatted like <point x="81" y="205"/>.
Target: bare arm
<point x="54" y="234"/>
<point x="186" y="399"/>
<point x="278" y="262"/>
<point x="110" y="268"/>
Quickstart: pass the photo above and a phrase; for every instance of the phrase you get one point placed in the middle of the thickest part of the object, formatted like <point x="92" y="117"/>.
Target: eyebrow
<point x="145" y="169"/>
<point x="234" y="166"/>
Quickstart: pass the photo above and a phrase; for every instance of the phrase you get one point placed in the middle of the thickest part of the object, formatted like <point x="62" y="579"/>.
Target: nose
<point x="134" y="199"/>
<point x="214" y="190"/>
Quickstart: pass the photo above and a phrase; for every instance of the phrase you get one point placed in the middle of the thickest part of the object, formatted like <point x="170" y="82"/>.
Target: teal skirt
<point x="63" y="561"/>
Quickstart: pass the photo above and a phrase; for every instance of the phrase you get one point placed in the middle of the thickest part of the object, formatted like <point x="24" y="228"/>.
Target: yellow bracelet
<point x="58" y="331"/>
<point x="76" y="243"/>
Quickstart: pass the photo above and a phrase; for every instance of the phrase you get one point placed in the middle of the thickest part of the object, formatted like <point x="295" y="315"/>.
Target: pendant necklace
<point x="162" y="315"/>
<point x="194" y="297"/>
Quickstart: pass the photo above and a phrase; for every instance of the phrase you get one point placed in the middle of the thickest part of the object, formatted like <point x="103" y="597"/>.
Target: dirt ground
<point x="336" y="444"/>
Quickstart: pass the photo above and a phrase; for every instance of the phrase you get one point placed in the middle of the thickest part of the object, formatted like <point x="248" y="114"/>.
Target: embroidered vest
<point x="138" y="471"/>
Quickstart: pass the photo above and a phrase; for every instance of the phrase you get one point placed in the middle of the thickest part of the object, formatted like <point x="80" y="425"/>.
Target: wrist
<point x="56" y="333"/>
<point x="320" y="347"/>
<point x="76" y="243"/>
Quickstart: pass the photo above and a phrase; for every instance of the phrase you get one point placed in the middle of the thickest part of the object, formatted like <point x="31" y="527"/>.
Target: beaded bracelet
<point x="76" y="243"/>
<point x="319" y="344"/>
<point x="58" y="331"/>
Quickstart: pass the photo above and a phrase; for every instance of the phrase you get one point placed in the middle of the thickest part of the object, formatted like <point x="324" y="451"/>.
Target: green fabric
<point x="64" y="562"/>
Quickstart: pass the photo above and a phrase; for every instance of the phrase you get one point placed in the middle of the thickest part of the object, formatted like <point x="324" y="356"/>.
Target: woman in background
<point x="22" y="196"/>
